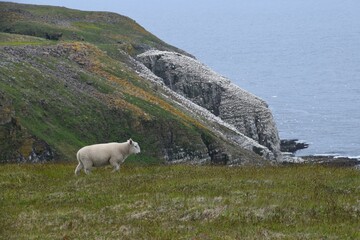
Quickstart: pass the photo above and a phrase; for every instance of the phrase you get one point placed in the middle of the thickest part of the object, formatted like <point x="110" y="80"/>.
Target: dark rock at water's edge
<point x="324" y="160"/>
<point x="333" y="161"/>
<point x="292" y="145"/>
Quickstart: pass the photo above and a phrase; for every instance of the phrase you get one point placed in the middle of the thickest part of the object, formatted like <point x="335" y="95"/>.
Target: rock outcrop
<point x="292" y="145"/>
<point x="219" y="127"/>
<point x="188" y="77"/>
<point x="16" y="144"/>
<point x="6" y="110"/>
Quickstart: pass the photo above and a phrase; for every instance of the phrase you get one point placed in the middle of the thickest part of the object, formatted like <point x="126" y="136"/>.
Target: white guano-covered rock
<point x="246" y="114"/>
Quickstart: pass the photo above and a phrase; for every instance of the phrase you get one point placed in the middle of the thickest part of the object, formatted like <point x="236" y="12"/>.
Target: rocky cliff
<point x="98" y="81"/>
<point x="249" y="114"/>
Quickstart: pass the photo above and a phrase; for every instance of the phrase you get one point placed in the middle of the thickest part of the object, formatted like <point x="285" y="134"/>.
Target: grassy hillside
<point x="67" y="79"/>
<point x="179" y="202"/>
<point x="78" y="95"/>
<point x="108" y="30"/>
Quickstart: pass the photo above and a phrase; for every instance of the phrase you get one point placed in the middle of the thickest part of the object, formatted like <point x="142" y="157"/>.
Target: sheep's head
<point x="134" y="146"/>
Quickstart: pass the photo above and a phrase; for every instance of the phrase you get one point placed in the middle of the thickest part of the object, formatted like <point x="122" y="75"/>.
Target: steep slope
<point x="188" y="77"/>
<point x="69" y="78"/>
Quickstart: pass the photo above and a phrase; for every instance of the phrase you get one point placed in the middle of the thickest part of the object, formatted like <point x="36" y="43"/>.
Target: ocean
<point x="301" y="56"/>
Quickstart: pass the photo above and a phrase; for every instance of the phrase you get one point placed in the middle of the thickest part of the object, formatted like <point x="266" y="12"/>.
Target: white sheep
<point x="98" y="155"/>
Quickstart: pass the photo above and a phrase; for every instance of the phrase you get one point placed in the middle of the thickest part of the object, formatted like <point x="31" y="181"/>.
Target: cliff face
<point x="195" y="81"/>
<point x="57" y="96"/>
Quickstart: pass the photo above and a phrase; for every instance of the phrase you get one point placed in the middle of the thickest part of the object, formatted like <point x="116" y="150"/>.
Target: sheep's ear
<point x="130" y="141"/>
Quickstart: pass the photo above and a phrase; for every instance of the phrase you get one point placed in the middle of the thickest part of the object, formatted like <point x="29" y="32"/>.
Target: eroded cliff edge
<point x="198" y="83"/>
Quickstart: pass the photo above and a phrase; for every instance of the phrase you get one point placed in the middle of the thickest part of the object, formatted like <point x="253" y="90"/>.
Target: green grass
<point x="105" y="28"/>
<point x="179" y="202"/>
<point x="7" y="39"/>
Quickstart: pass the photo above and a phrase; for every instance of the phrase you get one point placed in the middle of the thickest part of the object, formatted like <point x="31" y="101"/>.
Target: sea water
<point x="301" y="56"/>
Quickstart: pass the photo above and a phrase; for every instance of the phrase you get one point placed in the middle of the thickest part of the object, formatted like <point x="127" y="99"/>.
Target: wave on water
<point x="336" y="156"/>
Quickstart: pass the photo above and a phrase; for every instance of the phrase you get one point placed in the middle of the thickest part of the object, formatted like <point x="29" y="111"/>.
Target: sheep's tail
<point x="80" y="165"/>
<point x="78" y="157"/>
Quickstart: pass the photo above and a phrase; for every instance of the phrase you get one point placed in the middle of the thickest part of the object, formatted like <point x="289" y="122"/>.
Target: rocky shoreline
<point x="290" y="146"/>
<point x="333" y="161"/>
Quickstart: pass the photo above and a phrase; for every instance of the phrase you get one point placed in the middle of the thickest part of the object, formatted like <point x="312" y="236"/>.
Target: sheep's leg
<point x="115" y="164"/>
<point x="87" y="170"/>
<point x="116" y="168"/>
<point x="87" y="164"/>
<point x="78" y="168"/>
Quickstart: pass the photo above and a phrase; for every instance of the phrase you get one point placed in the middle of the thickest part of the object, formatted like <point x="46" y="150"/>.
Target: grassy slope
<point x="115" y="102"/>
<point x="179" y="202"/>
<point x="62" y="99"/>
